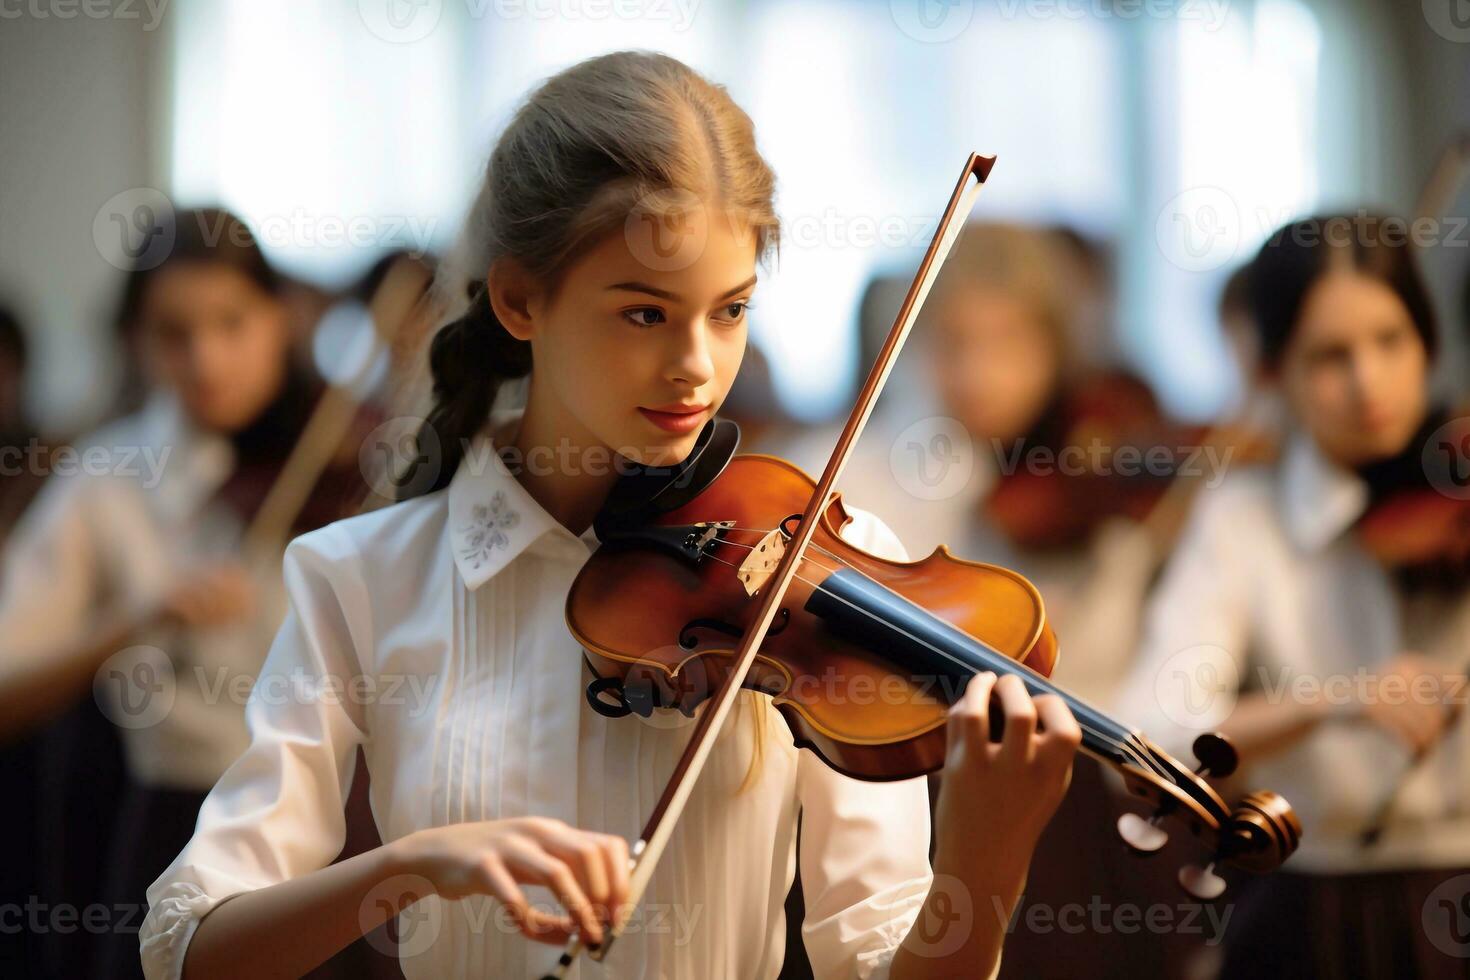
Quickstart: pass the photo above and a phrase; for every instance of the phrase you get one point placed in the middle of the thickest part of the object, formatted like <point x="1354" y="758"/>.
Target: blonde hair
<point x="592" y="145"/>
<point x="1030" y="264"/>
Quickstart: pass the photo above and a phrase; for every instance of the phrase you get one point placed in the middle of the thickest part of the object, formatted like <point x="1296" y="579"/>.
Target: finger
<point x="1061" y="733"/>
<point x="531" y="863"/>
<point x="582" y="852"/>
<point x="970" y="716"/>
<point x="547" y="927"/>
<point x="533" y="923"/>
<point x="615" y="853"/>
<point x="1020" y="718"/>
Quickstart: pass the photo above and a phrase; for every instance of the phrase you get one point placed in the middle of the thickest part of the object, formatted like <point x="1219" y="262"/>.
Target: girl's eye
<point x="736" y="311"/>
<point x="634" y="315"/>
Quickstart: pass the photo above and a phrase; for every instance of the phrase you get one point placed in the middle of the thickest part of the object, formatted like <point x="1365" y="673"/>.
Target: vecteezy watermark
<point x="1446" y="917"/>
<point x="1450" y="19"/>
<point x="38" y="917"/>
<point x="137" y="229"/>
<point x="933" y="458"/>
<point x="143" y="463"/>
<point x="1196" y="688"/>
<point x="1100" y="458"/>
<point x="1446" y="458"/>
<point x="1210" y="14"/>
<point x="932" y="21"/>
<point x="944" y="922"/>
<point x="423" y="916"/>
<point x="1100" y="917"/>
<point x="403" y="457"/>
<point x="88" y="9"/>
<point x="1363" y="686"/>
<point x="407" y="21"/>
<point x="938" y="21"/>
<point x="1200" y="229"/>
<point x="138" y="688"/>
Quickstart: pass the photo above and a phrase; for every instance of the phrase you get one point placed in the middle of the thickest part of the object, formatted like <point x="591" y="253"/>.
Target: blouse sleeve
<point x="277" y="812"/>
<point x="51" y="575"/>
<point x="864" y="846"/>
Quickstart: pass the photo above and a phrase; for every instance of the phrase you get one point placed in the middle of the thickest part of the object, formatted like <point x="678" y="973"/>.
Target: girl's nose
<point x="691" y="363"/>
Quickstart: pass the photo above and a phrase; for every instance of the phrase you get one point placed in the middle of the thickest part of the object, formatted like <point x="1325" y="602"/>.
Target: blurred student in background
<point x="1281" y="624"/>
<point x="128" y="567"/>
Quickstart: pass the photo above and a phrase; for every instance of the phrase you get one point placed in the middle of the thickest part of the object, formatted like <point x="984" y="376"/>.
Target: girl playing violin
<point x="1275" y="624"/>
<point x="611" y="253"/>
<point x="127" y="567"/>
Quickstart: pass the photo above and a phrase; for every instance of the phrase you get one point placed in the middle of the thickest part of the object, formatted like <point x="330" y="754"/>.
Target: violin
<point x="1417" y="523"/>
<point x="728" y="572"/>
<point x="1112" y="420"/>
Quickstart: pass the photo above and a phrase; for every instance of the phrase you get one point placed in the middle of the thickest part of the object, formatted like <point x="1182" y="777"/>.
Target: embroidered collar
<point x="492" y="517"/>
<point x="1318" y="499"/>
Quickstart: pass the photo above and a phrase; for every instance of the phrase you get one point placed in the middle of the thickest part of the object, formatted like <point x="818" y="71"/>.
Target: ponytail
<point x="469" y="358"/>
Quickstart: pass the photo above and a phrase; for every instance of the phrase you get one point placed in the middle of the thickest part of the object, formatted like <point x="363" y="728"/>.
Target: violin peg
<point x="1143" y="836"/>
<point x="1217" y="757"/>
<point x="1202" y="883"/>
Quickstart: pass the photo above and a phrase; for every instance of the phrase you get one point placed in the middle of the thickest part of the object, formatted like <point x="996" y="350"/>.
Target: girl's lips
<point x="680" y="422"/>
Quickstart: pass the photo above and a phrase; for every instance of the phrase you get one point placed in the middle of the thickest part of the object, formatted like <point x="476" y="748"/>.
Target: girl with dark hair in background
<point x="1280" y="623"/>
<point x="127" y="569"/>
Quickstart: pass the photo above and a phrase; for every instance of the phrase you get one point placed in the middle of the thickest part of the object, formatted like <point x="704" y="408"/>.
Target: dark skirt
<point x="1397" y="925"/>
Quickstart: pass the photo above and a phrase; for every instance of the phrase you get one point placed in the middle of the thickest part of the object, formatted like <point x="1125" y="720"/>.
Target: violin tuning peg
<point x="1217" y="757"/>
<point x="1143" y="836"/>
<point x="1202" y="883"/>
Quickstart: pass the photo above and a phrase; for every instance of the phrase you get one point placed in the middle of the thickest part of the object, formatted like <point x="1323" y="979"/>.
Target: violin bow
<point x="400" y="295"/>
<point x="650" y="845"/>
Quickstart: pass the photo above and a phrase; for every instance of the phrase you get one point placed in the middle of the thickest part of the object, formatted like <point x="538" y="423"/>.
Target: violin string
<point x="1129" y="744"/>
<point x="1122" y="745"/>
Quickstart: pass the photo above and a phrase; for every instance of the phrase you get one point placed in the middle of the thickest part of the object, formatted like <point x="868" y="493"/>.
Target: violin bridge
<point x="763" y="559"/>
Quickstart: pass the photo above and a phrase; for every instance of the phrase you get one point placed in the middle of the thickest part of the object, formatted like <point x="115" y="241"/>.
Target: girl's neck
<point x="551" y="460"/>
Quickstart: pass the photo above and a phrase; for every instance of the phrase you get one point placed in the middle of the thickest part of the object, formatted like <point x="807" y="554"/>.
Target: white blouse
<point x="1268" y="590"/>
<point x="447" y="613"/>
<point x="111" y="528"/>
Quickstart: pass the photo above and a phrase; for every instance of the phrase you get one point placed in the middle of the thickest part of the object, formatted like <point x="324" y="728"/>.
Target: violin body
<point x="667" y="628"/>
<point x="866" y="654"/>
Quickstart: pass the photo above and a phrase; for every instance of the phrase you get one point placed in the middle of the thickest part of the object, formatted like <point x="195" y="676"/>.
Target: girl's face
<point x="626" y="347"/>
<point x="215" y="338"/>
<point x="1355" y="371"/>
<point x="994" y="360"/>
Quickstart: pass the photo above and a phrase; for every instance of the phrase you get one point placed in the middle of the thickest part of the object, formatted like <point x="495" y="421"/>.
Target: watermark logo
<point x="400" y="21"/>
<point x="667" y="229"/>
<point x="1199" y="229"/>
<point x="1196" y="687"/>
<point x="932" y="21"/>
<point x="135" y="688"/>
<point x="400" y="458"/>
<point x="419" y="921"/>
<point x="933" y="458"/>
<point x="1446" y="917"/>
<point x="1450" y="19"/>
<point x="134" y="229"/>
<point x="1446" y="458"/>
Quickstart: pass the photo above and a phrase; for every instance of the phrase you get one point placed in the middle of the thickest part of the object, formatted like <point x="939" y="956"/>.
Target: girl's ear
<point x="513" y="293"/>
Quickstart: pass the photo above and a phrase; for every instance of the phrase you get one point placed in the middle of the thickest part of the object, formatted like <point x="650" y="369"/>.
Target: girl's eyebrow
<point x="643" y="287"/>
